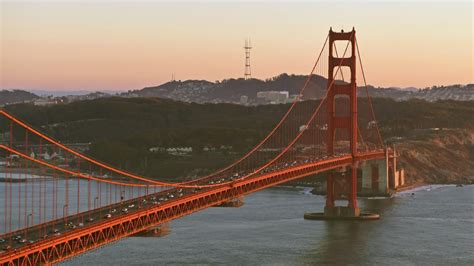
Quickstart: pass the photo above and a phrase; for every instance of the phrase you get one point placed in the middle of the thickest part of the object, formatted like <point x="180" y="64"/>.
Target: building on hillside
<point x="244" y="99"/>
<point x="45" y="101"/>
<point x="179" y="151"/>
<point x="273" y="97"/>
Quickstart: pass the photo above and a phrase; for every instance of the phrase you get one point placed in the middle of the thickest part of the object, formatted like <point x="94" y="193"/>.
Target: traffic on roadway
<point x="63" y="225"/>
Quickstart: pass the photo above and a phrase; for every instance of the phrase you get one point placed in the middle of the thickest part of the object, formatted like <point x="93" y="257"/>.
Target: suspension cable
<point x="306" y="125"/>
<point x="182" y="184"/>
<point x="78" y="174"/>
<point x="368" y="96"/>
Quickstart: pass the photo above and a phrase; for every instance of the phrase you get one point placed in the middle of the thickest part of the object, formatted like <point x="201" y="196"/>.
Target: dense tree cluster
<point x="123" y="130"/>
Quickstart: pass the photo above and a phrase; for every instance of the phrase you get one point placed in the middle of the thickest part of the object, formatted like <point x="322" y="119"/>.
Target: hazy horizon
<point x="119" y="46"/>
<point x="79" y="91"/>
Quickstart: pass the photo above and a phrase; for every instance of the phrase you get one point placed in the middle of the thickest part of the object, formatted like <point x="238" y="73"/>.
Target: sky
<point x="122" y="45"/>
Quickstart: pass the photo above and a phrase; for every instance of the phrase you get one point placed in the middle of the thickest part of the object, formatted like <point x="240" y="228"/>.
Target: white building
<point x="44" y="102"/>
<point x="244" y="99"/>
<point x="273" y="97"/>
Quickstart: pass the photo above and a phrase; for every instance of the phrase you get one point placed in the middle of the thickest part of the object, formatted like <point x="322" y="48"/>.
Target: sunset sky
<point x="112" y="45"/>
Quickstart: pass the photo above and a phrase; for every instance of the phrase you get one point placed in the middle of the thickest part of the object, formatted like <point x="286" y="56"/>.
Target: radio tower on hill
<point x="248" y="71"/>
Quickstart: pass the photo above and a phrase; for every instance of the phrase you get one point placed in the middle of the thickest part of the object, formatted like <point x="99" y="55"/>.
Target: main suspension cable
<point x="158" y="183"/>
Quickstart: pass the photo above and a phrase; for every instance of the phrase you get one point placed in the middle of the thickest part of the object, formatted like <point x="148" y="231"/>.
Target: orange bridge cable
<point x="109" y="201"/>
<point x="44" y="203"/>
<point x="98" y="193"/>
<point x="26" y="182"/>
<point x="78" y="188"/>
<point x="156" y="183"/>
<point x="78" y="174"/>
<point x="32" y="202"/>
<point x="368" y="96"/>
<point x="301" y="132"/>
<point x="55" y="197"/>
<point x="84" y="176"/>
<point x="89" y="192"/>
<point x="66" y="194"/>
<point x="5" y="194"/>
<point x="280" y="123"/>
<point x="11" y="180"/>
<point x="183" y="184"/>
<point x="19" y="195"/>
<point x="362" y="138"/>
<point x="40" y="217"/>
<point x="164" y="183"/>
<point x="79" y="154"/>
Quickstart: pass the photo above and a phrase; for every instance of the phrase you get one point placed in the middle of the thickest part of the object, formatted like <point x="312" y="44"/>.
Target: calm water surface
<point x="433" y="227"/>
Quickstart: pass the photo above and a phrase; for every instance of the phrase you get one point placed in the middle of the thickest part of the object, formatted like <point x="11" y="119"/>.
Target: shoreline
<point x="402" y="190"/>
<point x="413" y="186"/>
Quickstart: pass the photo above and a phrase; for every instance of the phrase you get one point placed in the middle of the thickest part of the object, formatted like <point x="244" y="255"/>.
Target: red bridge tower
<point x="346" y="122"/>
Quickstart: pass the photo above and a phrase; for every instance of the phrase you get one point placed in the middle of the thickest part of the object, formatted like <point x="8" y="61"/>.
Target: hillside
<point x="16" y="96"/>
<point x="122" y="131"/>
<point x="439" y="156"/>
<point x="231" y="90"/>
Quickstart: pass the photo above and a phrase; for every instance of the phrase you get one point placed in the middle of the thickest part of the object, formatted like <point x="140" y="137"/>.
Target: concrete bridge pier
<point x="348" y="192"/>
<point x="332" y="193"/>
<point x="374" y="178"/>
<point x="381" y="177"/>
<point x="155" y="231"/>
<point x="234" y="203"/>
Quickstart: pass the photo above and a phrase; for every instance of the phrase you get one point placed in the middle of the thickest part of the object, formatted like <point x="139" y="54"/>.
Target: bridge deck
<point x="102" y="230"/>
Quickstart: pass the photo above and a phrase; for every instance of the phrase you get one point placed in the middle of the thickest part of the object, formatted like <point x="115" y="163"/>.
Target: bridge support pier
<point x="352" y="208"/>
<point x="234" y="203"/>
<point x="155" y="231"/>
<point x="375" y="178"/>
<point x="349" y="212"/>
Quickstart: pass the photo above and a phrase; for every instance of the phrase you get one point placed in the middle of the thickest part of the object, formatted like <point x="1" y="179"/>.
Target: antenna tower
<point x="248" y="71"/>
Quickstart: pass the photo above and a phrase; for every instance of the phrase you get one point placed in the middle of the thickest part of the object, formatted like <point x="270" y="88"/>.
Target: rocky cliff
<point x="439" y="156"/>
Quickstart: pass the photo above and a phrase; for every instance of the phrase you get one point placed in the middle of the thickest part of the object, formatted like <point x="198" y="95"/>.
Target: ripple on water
<point x="433" y="228"/>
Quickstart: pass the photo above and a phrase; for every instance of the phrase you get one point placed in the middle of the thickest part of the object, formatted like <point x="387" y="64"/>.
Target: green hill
<point x="123" y="130"/>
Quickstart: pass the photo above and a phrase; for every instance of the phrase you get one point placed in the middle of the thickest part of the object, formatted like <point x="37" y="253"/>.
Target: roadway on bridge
<point x="56" y="228"/>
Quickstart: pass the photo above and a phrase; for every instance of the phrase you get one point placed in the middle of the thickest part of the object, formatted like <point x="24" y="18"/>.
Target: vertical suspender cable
<point x="26" y="183"/>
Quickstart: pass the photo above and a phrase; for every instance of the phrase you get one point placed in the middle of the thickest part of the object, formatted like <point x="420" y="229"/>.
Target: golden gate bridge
<point x="54" y="209"/>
